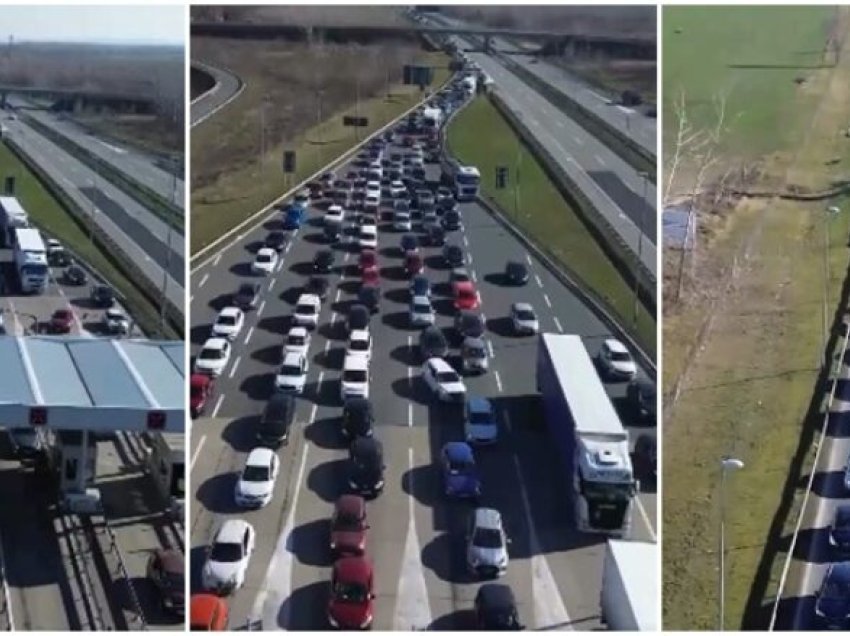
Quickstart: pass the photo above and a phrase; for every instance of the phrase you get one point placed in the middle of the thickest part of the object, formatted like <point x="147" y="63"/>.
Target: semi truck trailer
<point x="12" y="217"/>
<point x="591" y="440"/>
<point x="629" y="597"/>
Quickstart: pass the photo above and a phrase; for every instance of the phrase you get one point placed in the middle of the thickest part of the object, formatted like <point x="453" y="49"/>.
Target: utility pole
<point x="637" y="271"/>
<point x="827" y="217"/>
<point x="163" y="298"/>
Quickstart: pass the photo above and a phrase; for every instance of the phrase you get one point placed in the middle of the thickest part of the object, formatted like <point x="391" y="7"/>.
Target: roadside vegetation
<point x="754" y="101"/>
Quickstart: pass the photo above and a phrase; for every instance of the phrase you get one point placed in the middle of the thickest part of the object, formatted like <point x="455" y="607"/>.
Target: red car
<point x="368" y="260"/>
<point x="61" y="321"/>
<point x="465" y="295"/>
<point x="370" y="276"/>
<point x="413" y="263"/>
<point x="350" y="605"/>
<point x="200" y="386"/>
<point x="348" y="525"/>
<point x="208" y="613"/>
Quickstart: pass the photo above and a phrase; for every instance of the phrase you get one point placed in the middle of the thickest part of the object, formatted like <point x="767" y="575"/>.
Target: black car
<point x="435" y="235"/>
<point x="451" y="220"/>
<point x="453" y="255"/>
<point x="358" y="317"/>
<point x="317" y="285"/>
<point x="247" y="296"/>
<point x="445" y="203"/>
<point x="366" y="466"/>
<point x="516" y="273"/>
<point x="323" y="261"/>
<point x="423" y="198"/>
<point x="358" y="418"/>
<point x="276" y="240"/>
<point x="495" y="608"/>
<point x="646" y="457"/>
<point x="102" y="296"/>
<point x="409" y="243"/>
<point x="276" y="420"/>
<point x="469" y="324"/>
<point x="433" y="343"/>
<point x="641" y="397"/>
<point x="370" y="297"/>
<point x="75" y="275"/>
<point x="332" y="231"/>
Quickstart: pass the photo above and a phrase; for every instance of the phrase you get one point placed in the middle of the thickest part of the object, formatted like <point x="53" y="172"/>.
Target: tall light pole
<point x="163" y="298"/>
<point x="726" y="464"/>
<point x="830" y="212"/>
<point x="645" y="177"/>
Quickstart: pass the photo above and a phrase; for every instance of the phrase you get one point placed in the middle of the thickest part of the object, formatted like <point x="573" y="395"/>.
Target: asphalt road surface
<point x="140" y="234"/>
<point x="415" y="536"/>
<point x="227" y="88"/>
<point x="137" y="165"/>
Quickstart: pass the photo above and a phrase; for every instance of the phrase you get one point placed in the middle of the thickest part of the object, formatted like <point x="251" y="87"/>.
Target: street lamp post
<point x="726" y="464"/>
<point x="830" y="211"/>
<point x="645" y="177"/>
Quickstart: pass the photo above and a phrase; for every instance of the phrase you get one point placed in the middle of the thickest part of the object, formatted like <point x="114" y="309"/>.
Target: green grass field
<point x="479" y="135"/>
<point x="751" y="55"/>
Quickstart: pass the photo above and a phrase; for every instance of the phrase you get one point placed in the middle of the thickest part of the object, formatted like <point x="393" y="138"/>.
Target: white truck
<point x="588" y="434"/>
<point x="432" y="118"/>
<point x="12" y="217"/>
<point x="30" y="257"/>
<point x="629" y="598"/>
<point x="469" y="84"/>
<point x="463" y="180"/>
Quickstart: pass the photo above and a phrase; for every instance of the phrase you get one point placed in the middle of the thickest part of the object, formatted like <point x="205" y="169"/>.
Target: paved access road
<point x="139" y="233"/>
<point x="144" y="168"/>
<point x="813" y="552"/>
<point x="415" y="537"/>
<point x="227" y="87"/>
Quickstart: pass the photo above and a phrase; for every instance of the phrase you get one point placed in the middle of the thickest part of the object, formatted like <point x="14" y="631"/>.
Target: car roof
<point x="424" y="300"/>
<point x="308" y="299"/>
<point x="232" y="531"/>
<point x="200" y="380"/>
<point x="615" y="346"/>
<point x="230" y="311"/>
<point x="464" y="285"/>
<point x="487" y="518"/>
<point x="357" y="308"/>
<point x="458" y="451"/>
<point x="478" y="404"/>
<point x="496" y="595"/>
<point x="355" y="569"/>
<point x="522" y="307"/>
<point x="439" y="364"/>
<point x="359" y="334"/>
<point x="266" y="251"/>
<point x="367" y="446"/>
<point x="293" y="357"/>
<point x="297" y="331"/>
<point x="259" y="457"/>
<point x="215" y="343"/>
<point x="355" y="362"/>
<point x="203" y="607"/>
<point x="350" y="504"/>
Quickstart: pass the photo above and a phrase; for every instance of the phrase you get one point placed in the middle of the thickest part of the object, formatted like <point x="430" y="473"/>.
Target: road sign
<point x="501" y="177"/>
<point x="9" y="189"/>
<point x="288" y="161"/>
<point x="359" y="122"/>
<point x="38" y="416"/>
<point x="418" y="75"/>
<point x="156" y="420"/>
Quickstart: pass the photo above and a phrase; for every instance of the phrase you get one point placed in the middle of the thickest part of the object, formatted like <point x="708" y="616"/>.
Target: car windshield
<point x="472" y="325"/>
<point x="460" y="277"/>
<point x="290" y="370"/>
<point x="354" y="375"/>
<point x="255" y="473"/>
<point x="246" y="290"/>
<point x="226" y="552"/>
<point x="305" y="309"/>
<point x="446" y="377"/>
<point x="620" y="356"/>
<point x="297" y="340"/>
<point x="460" y="466"/>
<point x="347" y="522"/>
<point x="227" y="321"/>
<point x="422" y="308"/>
<point x="350" y="592"/>
<point x="525" y="314"/>
<point x="487" y="538"/>
<point x="465" y="294"/>
<point x="468" y="179"/>
<point x="211" y="354"/>
<point x="264" y="258"/>
<point x="480" y="417"/>
<point x="360" y="345"/>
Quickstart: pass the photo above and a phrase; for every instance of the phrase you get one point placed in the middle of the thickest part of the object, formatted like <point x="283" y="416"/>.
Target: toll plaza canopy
<point x="94" y="384"/>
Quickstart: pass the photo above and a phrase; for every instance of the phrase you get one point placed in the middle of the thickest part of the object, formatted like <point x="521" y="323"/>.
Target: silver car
<point x="486" y="544"/>
<point x="473" y="353"/>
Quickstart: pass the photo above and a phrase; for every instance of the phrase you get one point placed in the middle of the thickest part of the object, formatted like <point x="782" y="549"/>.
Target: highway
<point x="812" y="552"/>
<point x="415" y="538"/>
<point x="139" y="233"/>
<point x="146" y="169"/>
<point x="227" y="88"/>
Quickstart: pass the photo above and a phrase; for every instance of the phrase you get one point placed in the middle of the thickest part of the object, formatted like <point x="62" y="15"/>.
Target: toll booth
<point x="167" y="466"/>
<point x="76" y="459"/>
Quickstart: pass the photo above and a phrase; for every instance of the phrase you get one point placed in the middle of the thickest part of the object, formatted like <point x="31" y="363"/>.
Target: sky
<point x="111" y="24"/>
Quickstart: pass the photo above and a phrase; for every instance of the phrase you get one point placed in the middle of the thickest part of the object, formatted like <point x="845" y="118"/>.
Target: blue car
<point x="479" y="425"/>
<point x="460" y="475"/>
<point x="839" y="533"/>
<point x="420" y="286"/>
<point x="833" y="598"/>
<point x="293" y="217"/>
<point x="409" y="243"/>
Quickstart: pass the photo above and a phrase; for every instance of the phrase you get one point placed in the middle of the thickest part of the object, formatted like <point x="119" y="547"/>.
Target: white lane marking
<point x="271" y="283"/>
<point x="559" y="123"/>
<point x="549" y="610"/>
<point x="333" y="317"/>
<point x="508" y="425"/>
<point x="338" y="292"/>
<point x="410" y="414"/>
<point x="261" y="307"/>
<point x="249" y="334"/>
<point x="498" y="380"/>
<point x="287" y="248"/>
<point x="197" y="452"/>
<point x="528" y="258"/>
<point x="548" y="302"/>
<point x="269" y="606"/>
<point x="645" y="518"/>
<point x="474" y="276"/>
<point x="490" y="349"/>
<point x="558" y="324"/>
<point x="217" y="259"/>
<point x="465" y="241"/>
<point x="412" y="608"/>
<point x="478" y="296"/>
<point x="327" y="345"/>
<point x="217" y="405"/>
<point x="539" y="282"/>
<point x="279" y="266"/>
<point x="599" y="159"/>
<point x="469" y="259"/>
<point x="234" y="367"/>
<point x="598" y="96"/>
<point x="203" y="280"/>
<point x="578" y="141"/>
<point x="346" y="257"/>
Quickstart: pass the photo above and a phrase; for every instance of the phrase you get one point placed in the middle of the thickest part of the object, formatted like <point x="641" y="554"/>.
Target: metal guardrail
<point x="93" y="618"/>
<point x="6" y="599"/>
<point x="139" y="615"/>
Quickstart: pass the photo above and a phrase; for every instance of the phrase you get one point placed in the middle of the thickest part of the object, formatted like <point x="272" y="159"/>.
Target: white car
<point x="369" y="236"/>
<point x="443" y="380"/>
<point x="355" y="377"/>
<point x="430" y="216"/>
<point x="616" y="361"/>
<point x="265" y="261"/>
<point x="213" y="357"/>
<point x="256" y="483"/>
<point x="397" y="189"/>
<point x="421" y="312"/>
<point x="373" y="187"/>
<point x="229" y="323"/>
<point x="297" y="341"/>
<point x="847" y="475"/>
<point x="292" y="375"/>
<point x="335" y="214"/>
<point x="227" y="561"/>
<point x="372" y="202"/>
<point x="302" y="198"/>
<point x="307" y="309"/>
<point x="524" y="319"/>
<point x="115" y="321"/>
<point x="359" y="344"/>
<point x="401" y="221"/>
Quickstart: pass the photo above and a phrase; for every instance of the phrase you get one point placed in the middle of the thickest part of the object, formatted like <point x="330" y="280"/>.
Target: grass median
<point x="49" y="215"/>
<point x="480" y="136"/>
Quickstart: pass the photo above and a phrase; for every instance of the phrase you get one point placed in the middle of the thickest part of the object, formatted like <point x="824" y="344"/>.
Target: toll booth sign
<point x="38" y="416"/>
<point x="156" y="421"/>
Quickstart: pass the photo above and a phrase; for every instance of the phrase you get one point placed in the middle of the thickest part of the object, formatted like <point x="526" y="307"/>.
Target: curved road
<point x="226" y="89"/>
<point x="415" y="537"/>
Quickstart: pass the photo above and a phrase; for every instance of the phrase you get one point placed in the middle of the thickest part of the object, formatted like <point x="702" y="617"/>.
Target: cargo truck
<point x="12" y="217"/>
<point x="30" y="257"/>
<point x="588" y="434"/>
<point x="463" y="180"/>
<point x="629" y="598"/>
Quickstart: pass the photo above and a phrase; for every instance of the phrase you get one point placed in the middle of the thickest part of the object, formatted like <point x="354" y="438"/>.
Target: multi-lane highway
<point x="416" y="535"/>
<point x="227" y="87"/>
<point x="139" y="233"/>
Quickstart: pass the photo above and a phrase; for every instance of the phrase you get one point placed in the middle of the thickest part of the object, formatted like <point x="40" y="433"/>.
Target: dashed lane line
<point x="558" y="324"/>
<point x="249" y="334"/>
<point x="261" y="307"/>
<point x="539" y="282"/>
<point x="548" y="302"/>
<point x="203" y="280"/>
<point x="197" y="452"/>
<point x="498" y="380"/>
<point x="234" y="367"/>
<point x="528" y="258"/>
<point x="217" y="405"/>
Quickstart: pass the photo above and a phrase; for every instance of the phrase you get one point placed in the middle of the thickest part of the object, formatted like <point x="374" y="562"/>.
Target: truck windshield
<point x="468" y="179"/>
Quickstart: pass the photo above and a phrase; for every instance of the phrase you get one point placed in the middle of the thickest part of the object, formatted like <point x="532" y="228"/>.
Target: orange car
<point x="208" y="613"/>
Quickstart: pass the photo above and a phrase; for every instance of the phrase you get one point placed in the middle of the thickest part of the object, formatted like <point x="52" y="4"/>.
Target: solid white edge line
<point x="197" y="452"/>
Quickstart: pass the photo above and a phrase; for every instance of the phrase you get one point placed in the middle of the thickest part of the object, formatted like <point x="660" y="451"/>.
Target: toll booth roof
<point x="91" y="373"/>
